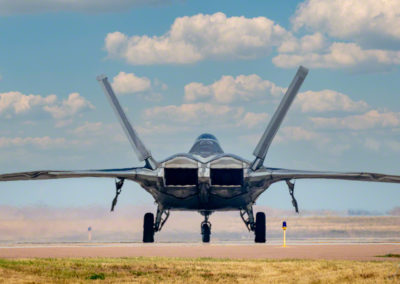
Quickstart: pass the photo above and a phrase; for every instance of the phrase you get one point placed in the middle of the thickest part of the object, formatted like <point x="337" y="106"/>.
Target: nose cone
<point x="206" y="145"/>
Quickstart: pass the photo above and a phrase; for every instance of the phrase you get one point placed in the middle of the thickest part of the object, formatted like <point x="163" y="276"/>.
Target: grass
<point x="390" y="255"/>
<point x="186" y="270"/>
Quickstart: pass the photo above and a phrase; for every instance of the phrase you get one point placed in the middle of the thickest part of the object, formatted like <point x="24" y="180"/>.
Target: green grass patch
<point x="390" y="255"/>
<point x="96" y="276"/>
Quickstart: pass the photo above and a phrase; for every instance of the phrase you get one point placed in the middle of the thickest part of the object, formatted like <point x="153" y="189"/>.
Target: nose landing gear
<point x="206" y="227"/>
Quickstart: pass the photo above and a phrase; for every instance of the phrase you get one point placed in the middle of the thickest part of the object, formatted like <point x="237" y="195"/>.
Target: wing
<point x="272" y="175"/>
<point x="135" y="174"/>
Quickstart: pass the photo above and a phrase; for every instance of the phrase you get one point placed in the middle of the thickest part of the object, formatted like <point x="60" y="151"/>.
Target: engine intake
<point x="180" y="176"/>
<point x="227" y="177"/>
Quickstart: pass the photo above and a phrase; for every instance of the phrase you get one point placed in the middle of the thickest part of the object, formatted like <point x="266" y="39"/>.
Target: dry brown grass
<point x="178" y="270"/>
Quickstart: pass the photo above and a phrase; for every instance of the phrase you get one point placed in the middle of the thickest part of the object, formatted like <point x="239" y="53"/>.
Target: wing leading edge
<point x="275" y="175"/>
<point x="127" y="173"/>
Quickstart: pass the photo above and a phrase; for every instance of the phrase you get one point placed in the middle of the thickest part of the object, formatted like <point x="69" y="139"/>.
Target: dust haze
<point x="51" y="224"/>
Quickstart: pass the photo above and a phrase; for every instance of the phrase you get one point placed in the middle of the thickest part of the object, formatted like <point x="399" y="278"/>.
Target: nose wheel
<point x="206" y="227"/>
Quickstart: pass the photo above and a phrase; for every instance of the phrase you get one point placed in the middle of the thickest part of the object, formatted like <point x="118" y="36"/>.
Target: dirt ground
<point x="236" y="251"/>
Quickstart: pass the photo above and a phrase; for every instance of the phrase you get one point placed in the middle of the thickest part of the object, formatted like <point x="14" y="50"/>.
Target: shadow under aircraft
<point x="206" y="179"/>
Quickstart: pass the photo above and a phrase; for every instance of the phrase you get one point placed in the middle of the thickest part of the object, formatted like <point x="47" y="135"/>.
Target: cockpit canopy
<point x="206" y="136"/>
<point x="206" y="145"/>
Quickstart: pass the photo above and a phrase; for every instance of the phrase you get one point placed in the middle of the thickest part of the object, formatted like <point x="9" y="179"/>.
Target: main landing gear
<point x="151" y="225"/>
<point x="256" y="225"/>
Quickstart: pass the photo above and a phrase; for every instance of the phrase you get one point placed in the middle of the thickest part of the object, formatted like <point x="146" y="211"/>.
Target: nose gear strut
<point x="119" y="182"/>
<point x="291" y="192"/>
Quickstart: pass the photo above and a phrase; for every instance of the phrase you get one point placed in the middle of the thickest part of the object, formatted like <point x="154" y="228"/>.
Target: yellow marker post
<point x="284" y="233"/>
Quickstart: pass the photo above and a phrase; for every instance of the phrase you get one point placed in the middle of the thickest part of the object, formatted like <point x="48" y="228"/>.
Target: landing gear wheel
<point x="260" y="228"/>
<point x="206" y="232"/>
<point x="148" y="228"/>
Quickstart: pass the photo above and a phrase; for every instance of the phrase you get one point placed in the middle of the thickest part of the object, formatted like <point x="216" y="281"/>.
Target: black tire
<point x="260" y="228"/>
<point x="205" y="232"/>
<point x="148" y="228"/>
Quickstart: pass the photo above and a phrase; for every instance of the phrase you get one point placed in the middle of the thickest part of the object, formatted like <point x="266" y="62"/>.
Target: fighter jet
<point x="206" y="179"/>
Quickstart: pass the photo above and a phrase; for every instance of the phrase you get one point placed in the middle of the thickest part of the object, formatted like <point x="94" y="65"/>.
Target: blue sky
<point x="181" y="68"/>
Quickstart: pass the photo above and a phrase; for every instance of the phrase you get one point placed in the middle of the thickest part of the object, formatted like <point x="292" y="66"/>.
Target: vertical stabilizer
<point x="137" y="144"/>
<point x="263" y="145"/>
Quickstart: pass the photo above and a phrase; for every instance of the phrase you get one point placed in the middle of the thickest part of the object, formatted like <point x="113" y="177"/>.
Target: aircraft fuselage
<point x="204" y="179"/>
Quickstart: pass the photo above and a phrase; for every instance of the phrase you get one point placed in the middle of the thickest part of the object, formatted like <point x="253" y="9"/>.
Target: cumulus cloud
<point x="340" y="55"/>
<point x="252" y="119"/>
<point x="16" y="103"/>
<point x="89" y="127"/>
<point x="198" y="113"/>
<point x="298" y="133"/>
<point x="198" y="37"/>
<point x="229" y="89"/>
<point x="368" y="120"/>
<point x="42" y="142"/>
<point x="307" y="43"/>
<point x="74" y="104"/>
<point x="370" y="21"/>
<point x="328" y="100"/>
<point x="30" y="6"/>
<point x="125" y="83"/>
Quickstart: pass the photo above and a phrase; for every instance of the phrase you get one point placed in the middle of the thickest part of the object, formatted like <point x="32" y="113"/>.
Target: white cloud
<point x="16" y="103"/>
<point x="35" y="6"/>
<point x="229" y="89"/>
<point x="368" y="120"/>
<point x="89" y="133"/>
<point x="307" y="43"/>
<point x="89" y="128"/>
<point x="125" y="83"/>
<point x="328" y="100"/>
<point x="194" y="38"/>
<point x="42" y="142"/>
<point x="341" y="55"/>
<point x="368" y="21"/>
<point x="298" y="133"/>
<point x="198" y="113"/>
<point x="252" y="119"/>
<point x="69" y="107"/>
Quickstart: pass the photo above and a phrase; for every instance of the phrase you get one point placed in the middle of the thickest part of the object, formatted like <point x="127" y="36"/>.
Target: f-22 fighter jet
<point x="206" y="179"/>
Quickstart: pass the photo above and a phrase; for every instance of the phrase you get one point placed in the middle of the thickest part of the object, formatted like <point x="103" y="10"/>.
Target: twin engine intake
<point x="184" y="171"/>
<point x="190" y="177"/>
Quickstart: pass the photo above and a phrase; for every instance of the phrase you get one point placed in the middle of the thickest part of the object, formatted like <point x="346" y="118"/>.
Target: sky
<point x="181" y="68"/>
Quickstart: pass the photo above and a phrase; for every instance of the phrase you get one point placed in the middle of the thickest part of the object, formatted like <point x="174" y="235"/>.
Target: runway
<point x="339" y="251"/>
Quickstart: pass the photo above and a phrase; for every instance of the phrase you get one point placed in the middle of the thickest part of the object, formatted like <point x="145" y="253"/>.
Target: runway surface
<point x="344" y="251"/>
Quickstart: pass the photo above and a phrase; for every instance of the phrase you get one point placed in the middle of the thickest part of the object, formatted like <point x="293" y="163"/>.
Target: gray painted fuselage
<point x="204" y="157"/>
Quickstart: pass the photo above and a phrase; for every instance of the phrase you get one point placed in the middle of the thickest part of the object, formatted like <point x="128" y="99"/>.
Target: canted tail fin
<point x="137" y="144"/>
<point x="263" y="145"/>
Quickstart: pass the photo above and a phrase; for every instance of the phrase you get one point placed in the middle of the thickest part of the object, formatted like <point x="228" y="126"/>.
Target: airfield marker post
<point x="284" y="233"/>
